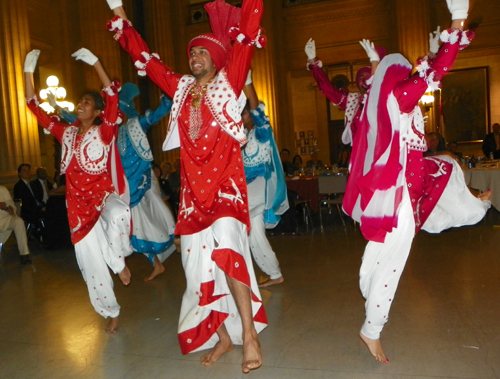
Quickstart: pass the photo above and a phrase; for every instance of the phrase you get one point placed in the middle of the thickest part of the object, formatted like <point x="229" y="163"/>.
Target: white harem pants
<point x="207" y="257"/>
<point x="259" y="245"/>
<point x="106" y="245"/>
<point x="383" y="263"/>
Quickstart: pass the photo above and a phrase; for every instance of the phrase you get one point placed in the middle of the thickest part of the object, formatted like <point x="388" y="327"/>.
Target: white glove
<point x="370" y="50"/>
<point x="30" y="61"/>
<point x="310" y="49"/>
<point x="51" y="98"/>
<point x="114" y="4"/>
<point x="85" y="55"/>
<point x="458" y="9"/>
<point x="249" y="78"/>
<point x="434" y="41"/>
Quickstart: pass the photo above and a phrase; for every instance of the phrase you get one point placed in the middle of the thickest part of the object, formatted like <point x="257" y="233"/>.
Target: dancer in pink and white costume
<point x="392" y="190"/>
<point x="222" y="303"/>
<point x="98" y="217"/>
<point x="350" y="102"/>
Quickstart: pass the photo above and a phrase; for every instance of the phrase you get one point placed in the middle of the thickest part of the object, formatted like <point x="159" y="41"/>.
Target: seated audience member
<point x="57" y="232"/>
<point x="166" y="169"/>
<point x="297" y="161"/>
<point x="164" y="186"/>
<point x="432" y="141"/>
<point x="31" y="208"/>
<point x="314" y="162"/>
<point x="343" y="161"/>
<point x="41" y="186"/>
<point x="491" y="142"/>
<point x="10" y="221"/>
<point x="289" y="168"/>
<point x="452" y="148"/>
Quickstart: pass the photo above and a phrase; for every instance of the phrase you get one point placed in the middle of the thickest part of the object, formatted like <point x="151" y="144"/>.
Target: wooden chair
<point x="332" y="189"/>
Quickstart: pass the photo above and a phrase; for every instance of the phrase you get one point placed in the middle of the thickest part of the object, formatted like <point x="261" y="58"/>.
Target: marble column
<point x="18" y="127"/>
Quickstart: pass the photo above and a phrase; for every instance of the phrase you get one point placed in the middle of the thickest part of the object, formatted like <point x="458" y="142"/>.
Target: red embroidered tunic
<point x="212" y="176"/>
<point x="88" y="182"/>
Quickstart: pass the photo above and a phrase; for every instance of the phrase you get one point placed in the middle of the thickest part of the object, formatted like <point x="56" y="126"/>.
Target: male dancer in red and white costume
<point x="350" y="102"/>
<point x="98" y="217"/>
<point x="222" y="303"/>
<point x="392" y="190"/>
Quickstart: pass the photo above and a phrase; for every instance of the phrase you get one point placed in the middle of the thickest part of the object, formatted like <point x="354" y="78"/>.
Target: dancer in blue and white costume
<point x="152" y="221"/>
<point x="267" y="198"/>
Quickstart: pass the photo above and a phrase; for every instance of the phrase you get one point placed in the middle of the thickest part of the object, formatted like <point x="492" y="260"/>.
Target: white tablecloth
<point x="484" y="179"/>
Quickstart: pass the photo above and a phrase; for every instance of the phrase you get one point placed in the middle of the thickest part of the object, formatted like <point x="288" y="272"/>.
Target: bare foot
<point x="125" y="276"/>
<point x="222" y="347"/>
<point x="252" y="356"/>
<point x="484" y="196"/>
<point x="375" y="348"/>
<point x="158" y="269"/>
<point x="112" y="327"/>
<point x="272" y="282"/>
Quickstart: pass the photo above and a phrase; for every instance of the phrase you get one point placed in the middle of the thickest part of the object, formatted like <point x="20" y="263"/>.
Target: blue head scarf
<point x="127" y="94"/>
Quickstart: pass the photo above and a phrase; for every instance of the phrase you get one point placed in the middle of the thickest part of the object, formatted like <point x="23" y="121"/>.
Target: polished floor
<point x="445" y="320"/>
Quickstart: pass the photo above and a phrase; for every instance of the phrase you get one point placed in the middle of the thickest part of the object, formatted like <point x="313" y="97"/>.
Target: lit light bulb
<point x="52" y="81"/>
<point x="61" y="92"/>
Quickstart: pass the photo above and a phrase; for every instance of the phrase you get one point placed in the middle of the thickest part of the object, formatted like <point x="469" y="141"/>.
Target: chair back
<point x="332" y="184"/>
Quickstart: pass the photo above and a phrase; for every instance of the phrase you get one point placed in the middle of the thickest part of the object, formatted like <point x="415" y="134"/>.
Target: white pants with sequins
<point x="383" y="264"/>
<point x="106" y="245"/>
<point x="201" y="269"/>
<point x="259" y="245"/>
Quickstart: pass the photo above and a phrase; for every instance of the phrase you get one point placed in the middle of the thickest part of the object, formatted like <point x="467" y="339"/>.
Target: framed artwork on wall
<point x="465" y="104"/>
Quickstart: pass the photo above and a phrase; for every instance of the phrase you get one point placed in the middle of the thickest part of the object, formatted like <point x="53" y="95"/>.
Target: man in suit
<point x="491" y="143"/>
<point x="31" y="209"/>
<point x="41" y="186"/>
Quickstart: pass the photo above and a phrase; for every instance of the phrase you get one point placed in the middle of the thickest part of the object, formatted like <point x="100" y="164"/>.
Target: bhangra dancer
<point x="350" y="102"/>
<point x="98" y="217"/>
<point x="222" y="304"/>
<point x="152" y="222"/>
<point x="267" y="198"/>
<point x="392" y="190"/>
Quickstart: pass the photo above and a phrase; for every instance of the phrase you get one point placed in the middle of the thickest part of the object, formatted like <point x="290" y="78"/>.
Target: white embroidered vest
<point x="220" y="99"/>
<point x="137" y="137"/>
<point x="91" y="153"/>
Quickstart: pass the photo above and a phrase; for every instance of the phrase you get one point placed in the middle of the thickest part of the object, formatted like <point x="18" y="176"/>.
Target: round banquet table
<point x="483" y="179"/>
<point x="307" y="188"/>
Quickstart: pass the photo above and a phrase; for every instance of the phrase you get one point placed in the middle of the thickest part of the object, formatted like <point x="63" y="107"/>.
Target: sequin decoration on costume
<point x="197" y="93"/>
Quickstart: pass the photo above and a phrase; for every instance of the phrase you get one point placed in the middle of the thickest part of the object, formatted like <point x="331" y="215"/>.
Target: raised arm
<point x="153" y="117"/>
<point x="428" y="75"/>
<point x="117" y="7"/>
<point x="332" y="93"/>
<point x="29" y="69"/>
<point x="86" y="56"/>
<point x="372" y="54"/>
<point x="251" y="94"/>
